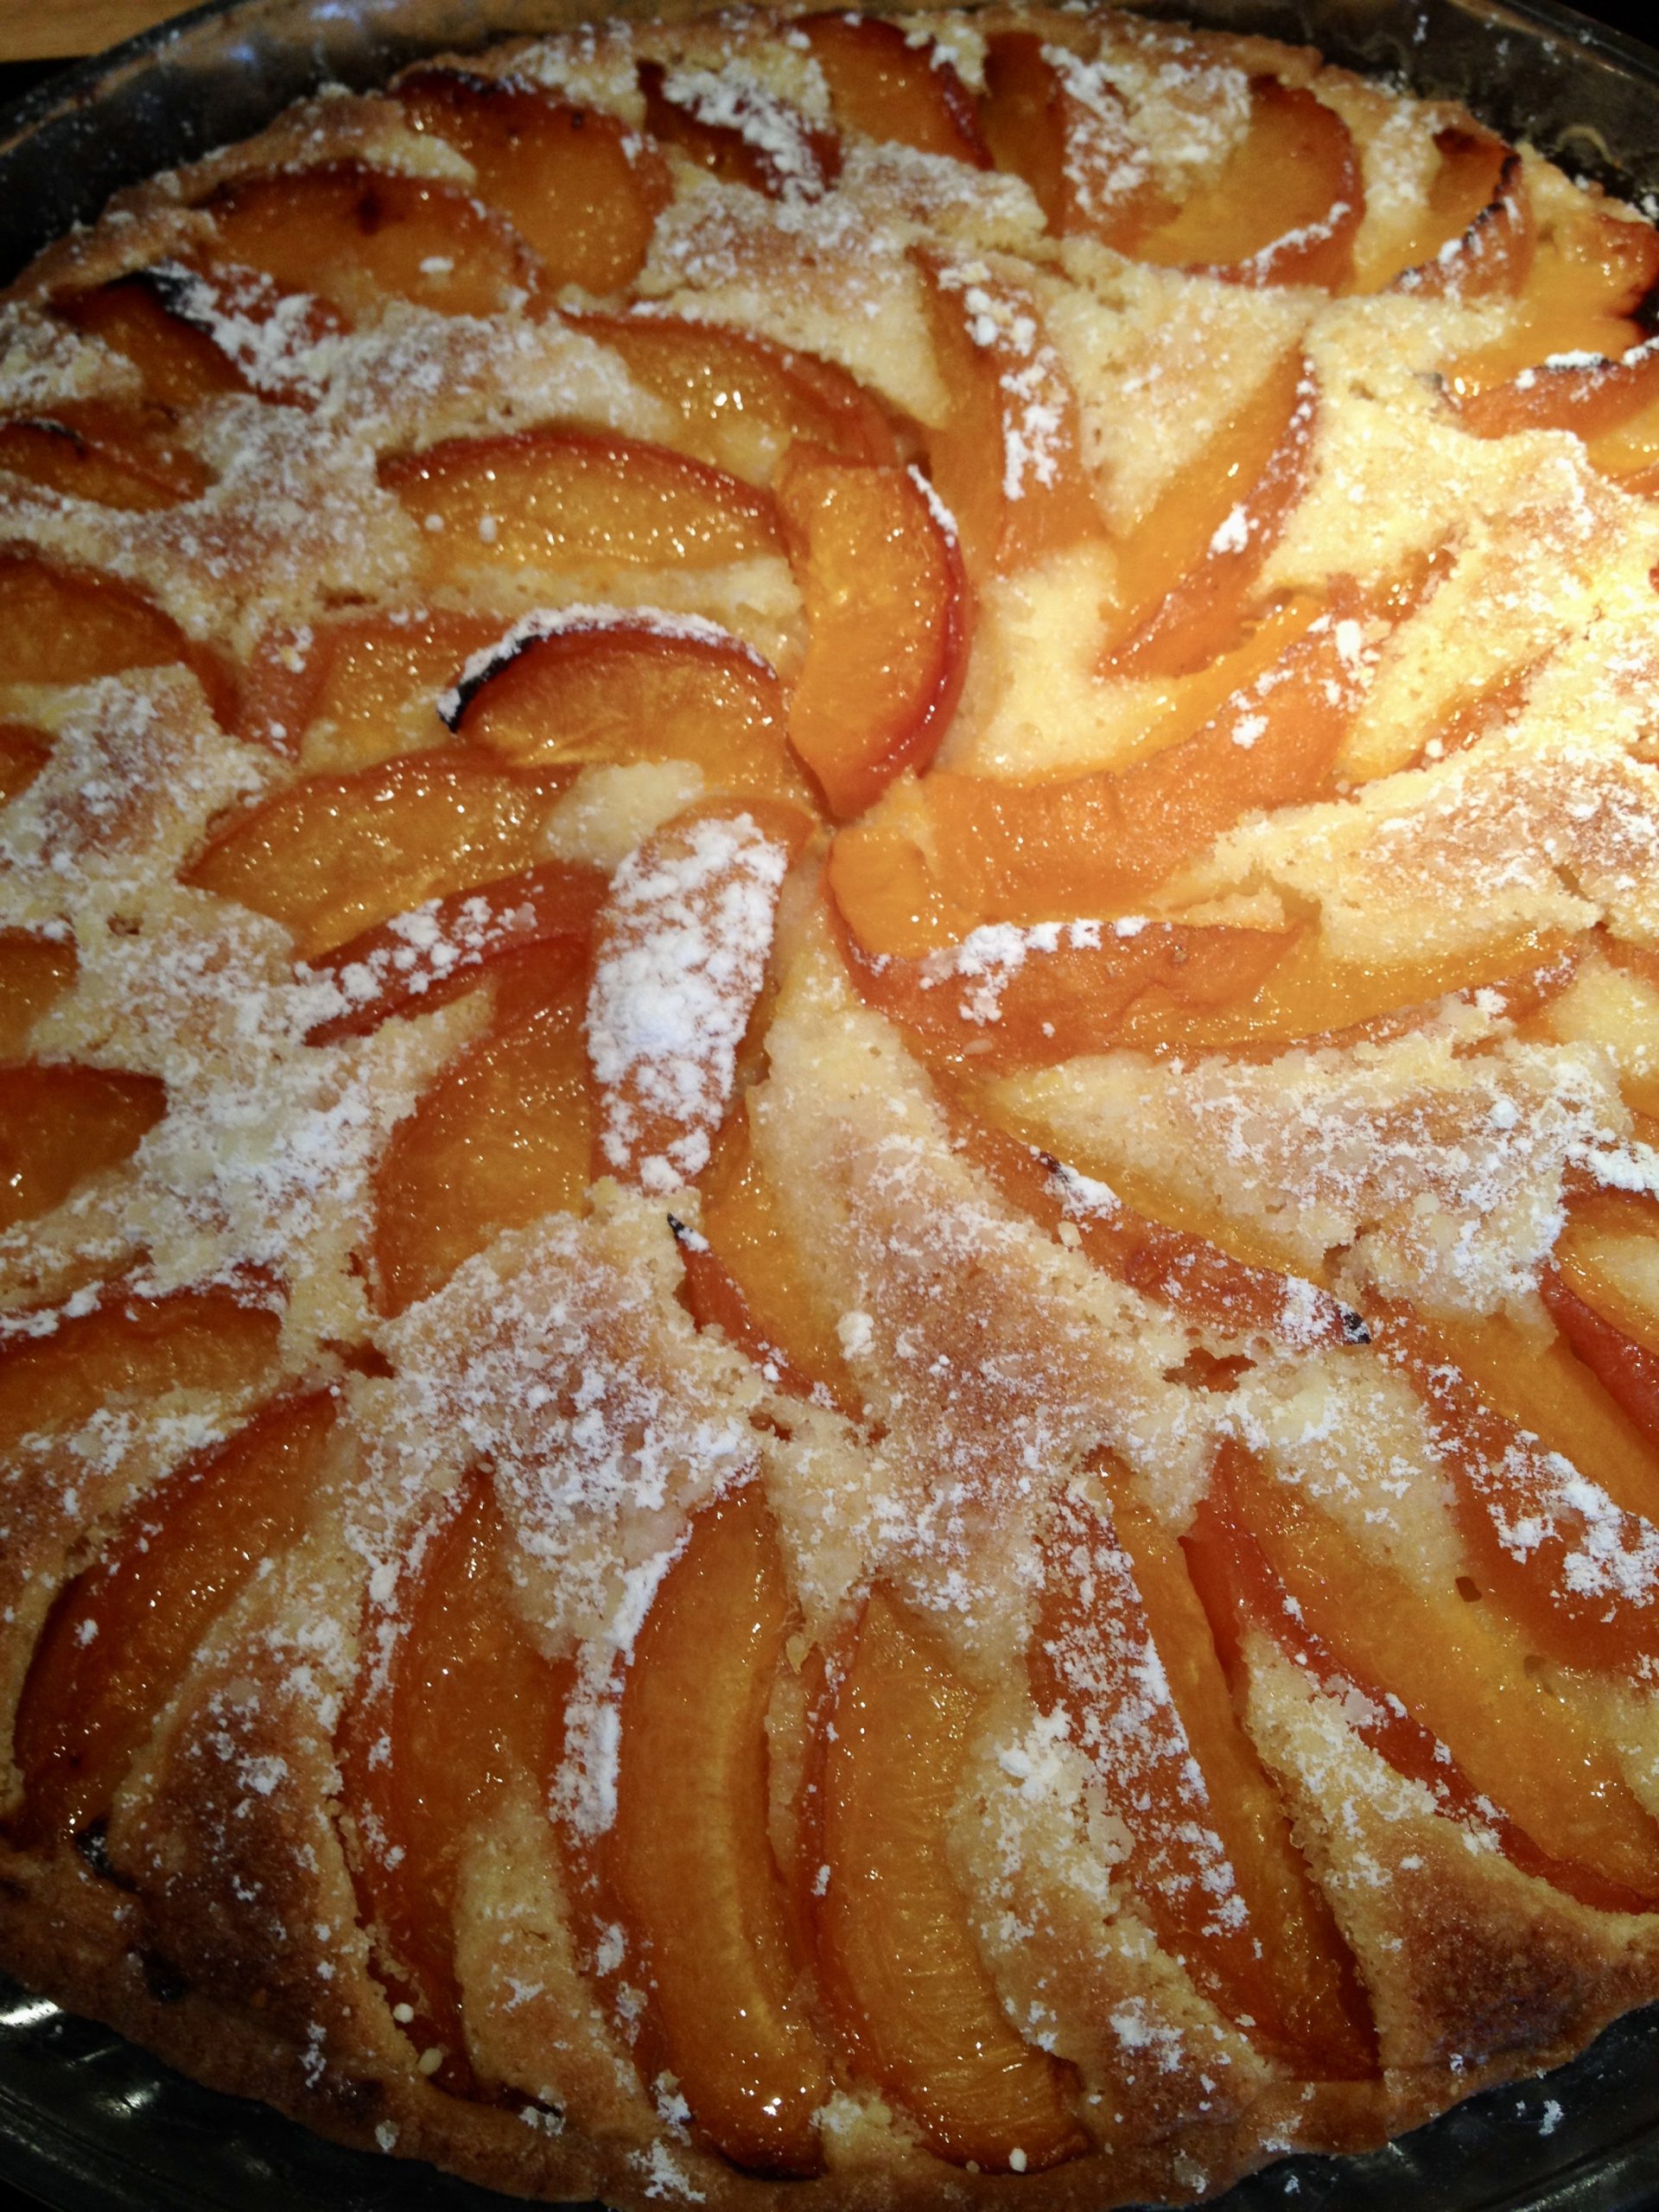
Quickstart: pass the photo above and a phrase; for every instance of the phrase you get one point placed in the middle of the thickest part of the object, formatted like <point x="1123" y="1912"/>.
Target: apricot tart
<point x="829" y="972"/>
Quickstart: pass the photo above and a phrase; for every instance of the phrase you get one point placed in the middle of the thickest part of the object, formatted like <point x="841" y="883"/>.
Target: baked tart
<point x="830" y="979"/>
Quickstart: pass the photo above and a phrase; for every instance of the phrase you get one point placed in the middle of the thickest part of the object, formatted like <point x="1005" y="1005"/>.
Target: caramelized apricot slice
<point x="888" y="618"/>
<point x="358" y="237"/>
<point x="1007" y="460"/>
<point x="558" y="499"/>
<point x="1475" y="238"/>
<point x="194" y="335"/>
<point x="35" y="971"/>
<point x="1593" y="398"/>
<point x="1585" y="287"/>
<point x="1181" y="1269"/>
<point x="23" y="753"/>
<point x="742" y="399"/>
<point x="182" y="365"/>
<point x="742" y="1274"/>
<point x="1460" y="1672"/>
<point x="1549" y="1392"/>
<point x="1241" y="1594"/>
<point x="738" y="131"/>
<point x="127" y="1349"/>
<point x="419" y="960"/>
<point x="1308" y="994"/>
<point x="680" y="952"/>
<point x="907" y="1992"/>
<point x="70" y="625"/>
<point x="333" y="855"/>
<point x="111" y="455"/>
<point x="1608" y="1257"/>
<point x="60" y="1125"/>
<point x="599" y="684"/>
<point x="120" y="1636"/>
<point x="503" y="1137"/>
<point x="882" y="85"/>
<point x="363" y="688"/>
<point x="575" y="183"/>
<point x="1187" y="571"/>
<point x="452" y="1704"/>
<point x="1005" y="998"/>
<point x="687" y="1862"/>
<point x="1061" y="126"/>
<point x="1121" y="1648"/>
<point x="1578" y="1570"/>
<point x="1037" y="852"/>
<point x="1628" y="1372"/>
<point x="1285" y="206"/>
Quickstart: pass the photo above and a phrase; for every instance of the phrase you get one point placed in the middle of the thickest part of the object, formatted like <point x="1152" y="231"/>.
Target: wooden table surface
<point x="54" y="30"/>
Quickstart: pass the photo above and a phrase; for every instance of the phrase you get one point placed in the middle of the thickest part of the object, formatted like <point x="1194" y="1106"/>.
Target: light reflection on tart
<point x="829" y="1274"/>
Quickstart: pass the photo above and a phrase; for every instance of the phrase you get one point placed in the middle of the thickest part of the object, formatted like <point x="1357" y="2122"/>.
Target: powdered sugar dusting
<point x="1036" y="393"/>
<point x="682" y="952"/>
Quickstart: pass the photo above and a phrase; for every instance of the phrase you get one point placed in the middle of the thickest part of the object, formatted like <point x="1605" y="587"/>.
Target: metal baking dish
<point x="88" y="2122"/>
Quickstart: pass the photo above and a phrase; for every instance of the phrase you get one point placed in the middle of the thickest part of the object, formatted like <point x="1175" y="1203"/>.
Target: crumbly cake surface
<point x="829" y="1000"/>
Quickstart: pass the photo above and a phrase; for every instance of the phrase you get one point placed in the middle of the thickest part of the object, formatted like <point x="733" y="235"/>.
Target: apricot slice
<point x="1006" y="998"/>
<point x="1186" y="570"/>
<point x="358" y="237"/>
<point x="888" y="618"/>
<point x="194" y="335"/>
<point x="1066" y="133"/>
<point x="1575" y="1568"/>
<point x="60" y="1125"/>
<point x="361" y="689"/>
<point x="907" y="1992"/>
<point x="742" y="1274"/>
<point x="1628" y="1372"/>
<point x="23" y="753"/>
<point x="420" y="960"/>
<point x="1592" y="399"/>
<point x="598" y="684"/>
<point x="1007" y="460"/>
<point x="1181" y="1269"/>
<point x="452" y="1704"/>
<point x="1586" y="284"/>
<point x="1459" y="1670"/>
<point x="128" y="1349"/>
<point x="575" y="183"/>
<point x="120" y="1636"/>
<point x="333" y="855"/>
<point x="1123" y="1649"/>
<point x="1475" y="237"/>
<point x="70" y="626"/>
<point x="1285" y="206"/>
<point x="688" y="1862"/>
<point x="680" y="952"/>
<point x="883" y="86"/>
<point x="111" y="455"/>
<point x="502" y="1138"/>
<point x="1608" y="1257"/>
<point x="1307" y="994"/>
<point x="35" y="971"/>
<point x="560" y="499"/>
<point x="182" y="364"/>
<point x="1242" y="1593"/>
<point x="1038" y="852"/>
<point x="1550" y="1392"/>
<point x="738" y="131"/>
<point x="742" y="400"/>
